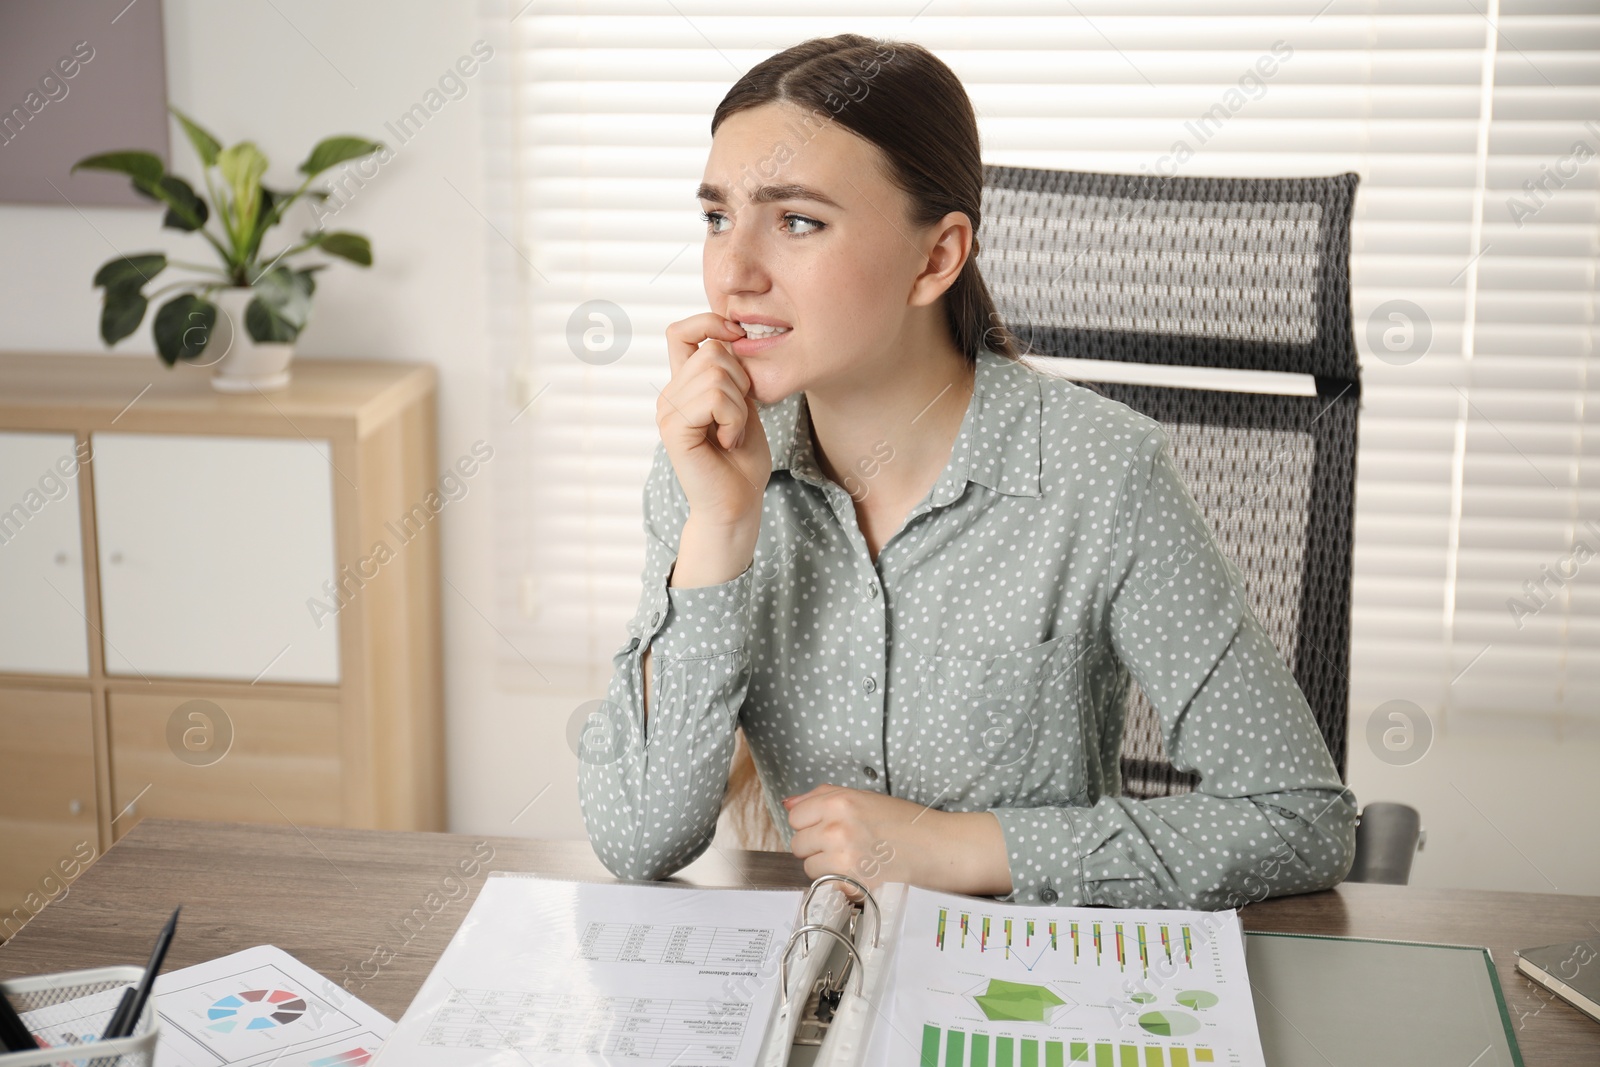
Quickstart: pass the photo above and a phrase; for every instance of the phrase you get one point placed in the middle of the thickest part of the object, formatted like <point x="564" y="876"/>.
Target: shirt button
<point x="871" y="773"/>
<point x="655" y="617"/>
<point x="1048" y="895"/>
<point x="869" y="684"/>
<point x="872" y="590"/>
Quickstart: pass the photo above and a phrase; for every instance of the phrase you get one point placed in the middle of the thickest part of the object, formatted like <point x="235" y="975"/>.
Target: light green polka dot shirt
<point x="981" y="664"/>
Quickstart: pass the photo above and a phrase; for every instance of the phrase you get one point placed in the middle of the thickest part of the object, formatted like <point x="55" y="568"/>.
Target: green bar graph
<point x="959" y="1048"/>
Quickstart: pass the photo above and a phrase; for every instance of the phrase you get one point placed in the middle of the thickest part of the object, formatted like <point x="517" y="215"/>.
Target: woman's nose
<point x="737" y="261"/>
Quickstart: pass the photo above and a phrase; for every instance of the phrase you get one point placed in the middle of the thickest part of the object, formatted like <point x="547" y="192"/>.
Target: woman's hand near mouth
<point x="713" y="434"/>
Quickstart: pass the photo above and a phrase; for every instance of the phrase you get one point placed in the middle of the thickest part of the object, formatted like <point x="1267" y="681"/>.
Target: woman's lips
<point x="749" y="346"/>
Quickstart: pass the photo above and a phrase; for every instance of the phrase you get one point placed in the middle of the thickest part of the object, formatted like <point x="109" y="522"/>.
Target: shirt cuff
<point x="1061" y="855"/>
<point x="707" y="620"/>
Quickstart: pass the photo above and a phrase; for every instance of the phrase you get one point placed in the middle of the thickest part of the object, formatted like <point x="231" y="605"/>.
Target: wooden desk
<point x="332" y="898"/>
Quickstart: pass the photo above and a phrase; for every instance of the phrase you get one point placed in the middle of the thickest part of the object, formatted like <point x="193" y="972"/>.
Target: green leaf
<point x="310" y="282"/>
<point x="121" y="313"/>
<point x="141" y="166"/>
<point x="242" y="166"/>
<point x="130" y="271"/>
<point x="183" y="327"/>
<point x="270" y="198"/>
<point x="185" y="210"/>
<point x="351" y="246"/>
<point x="332" y="151"/>
<point x="281" y="306"/>
<point x="205" y="145"/>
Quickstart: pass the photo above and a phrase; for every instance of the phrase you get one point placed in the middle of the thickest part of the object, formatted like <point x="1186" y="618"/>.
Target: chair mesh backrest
<point x="1233" y="273"/>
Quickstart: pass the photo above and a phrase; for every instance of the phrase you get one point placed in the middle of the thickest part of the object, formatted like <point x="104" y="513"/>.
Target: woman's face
<point x="832" y="256"/>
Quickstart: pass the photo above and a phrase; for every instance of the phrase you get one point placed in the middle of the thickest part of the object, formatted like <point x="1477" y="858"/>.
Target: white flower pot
<point x="243" y="365"/>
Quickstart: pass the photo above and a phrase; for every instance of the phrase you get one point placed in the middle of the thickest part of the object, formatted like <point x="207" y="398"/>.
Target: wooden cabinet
<point x="206" y="610"/>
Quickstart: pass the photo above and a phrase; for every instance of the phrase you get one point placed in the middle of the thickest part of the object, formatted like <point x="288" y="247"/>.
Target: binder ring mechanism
<point x="806" y="929"/>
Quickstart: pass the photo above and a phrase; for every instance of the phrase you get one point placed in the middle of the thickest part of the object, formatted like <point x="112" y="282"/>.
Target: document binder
<point x="562" y="972"/>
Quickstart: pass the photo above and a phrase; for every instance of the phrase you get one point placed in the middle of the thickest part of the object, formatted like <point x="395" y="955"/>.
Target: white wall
<point x="1506" y="807"/>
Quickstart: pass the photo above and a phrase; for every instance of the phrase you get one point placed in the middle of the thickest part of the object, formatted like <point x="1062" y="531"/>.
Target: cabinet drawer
<point x="42" y="628"/>
<point x="48" y="827"/>
<point x="242" y="759"/>
<point x="211" y="549"/>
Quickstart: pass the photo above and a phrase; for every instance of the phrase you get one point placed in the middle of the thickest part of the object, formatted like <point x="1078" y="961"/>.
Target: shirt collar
<point x="998" y="445"/>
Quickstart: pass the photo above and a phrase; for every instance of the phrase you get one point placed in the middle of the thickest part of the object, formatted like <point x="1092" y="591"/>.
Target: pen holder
<point x="46" y="991"/>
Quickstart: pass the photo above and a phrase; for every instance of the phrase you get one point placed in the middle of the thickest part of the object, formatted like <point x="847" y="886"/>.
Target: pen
<point x="13" y="1034"/>
<point x="132" y="1003"/>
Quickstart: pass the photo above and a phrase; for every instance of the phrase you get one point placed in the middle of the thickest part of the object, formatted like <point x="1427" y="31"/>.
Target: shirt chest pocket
<point x="1011" y="724"/>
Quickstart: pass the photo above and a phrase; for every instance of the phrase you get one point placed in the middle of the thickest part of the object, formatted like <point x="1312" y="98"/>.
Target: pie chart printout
<point x="256" y="1009"/>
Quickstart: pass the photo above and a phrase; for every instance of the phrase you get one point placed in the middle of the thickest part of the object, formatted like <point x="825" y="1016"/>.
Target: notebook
<point x="566" y="973"/>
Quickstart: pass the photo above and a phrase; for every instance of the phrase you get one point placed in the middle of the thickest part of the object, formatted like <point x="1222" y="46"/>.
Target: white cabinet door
<point x="43" y="629"/>
<point x="210" y="549"/>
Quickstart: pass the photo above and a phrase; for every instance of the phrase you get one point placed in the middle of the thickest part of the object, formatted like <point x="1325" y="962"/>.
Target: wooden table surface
<point x="374" y="909"/>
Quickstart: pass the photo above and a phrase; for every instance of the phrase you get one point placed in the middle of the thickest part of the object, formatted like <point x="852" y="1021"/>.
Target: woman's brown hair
<point x="902" y="99"/>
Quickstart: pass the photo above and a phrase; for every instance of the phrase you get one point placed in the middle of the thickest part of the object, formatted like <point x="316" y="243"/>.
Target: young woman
<point x="915" y="570"/>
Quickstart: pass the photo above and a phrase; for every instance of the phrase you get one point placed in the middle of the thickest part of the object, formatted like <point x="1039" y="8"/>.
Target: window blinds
<point x="1476" y="235"/>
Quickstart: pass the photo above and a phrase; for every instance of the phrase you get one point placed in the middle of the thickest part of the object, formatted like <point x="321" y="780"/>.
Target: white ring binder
<point x="821" y="928"/>
<point x="867" y="897"/>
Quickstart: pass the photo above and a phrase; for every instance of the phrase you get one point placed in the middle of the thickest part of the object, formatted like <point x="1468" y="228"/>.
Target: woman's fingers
<point x="685" y="337"/>
<point x="699" y="389"/>
<point x="714" y="402"/>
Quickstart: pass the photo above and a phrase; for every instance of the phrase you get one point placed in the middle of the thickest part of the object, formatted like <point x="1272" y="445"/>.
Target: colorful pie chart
<point x="255" y="1009"/>
<point x="1169" y="1023"/>
<point x="1197" y="999"/>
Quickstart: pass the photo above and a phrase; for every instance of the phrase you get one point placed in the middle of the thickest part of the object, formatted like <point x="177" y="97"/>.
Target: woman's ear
<point x="947" y="257"/>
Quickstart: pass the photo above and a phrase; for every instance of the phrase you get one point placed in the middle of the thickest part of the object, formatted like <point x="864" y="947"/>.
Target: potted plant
<point x="267" y="294"/>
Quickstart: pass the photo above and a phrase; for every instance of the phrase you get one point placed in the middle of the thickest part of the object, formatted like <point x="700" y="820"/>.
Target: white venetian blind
<point x="1475" y="321"/>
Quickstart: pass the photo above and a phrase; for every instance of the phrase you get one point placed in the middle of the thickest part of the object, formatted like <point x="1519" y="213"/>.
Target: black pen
<point x="132" y="1003"/>
<point x="13" y="1034"/>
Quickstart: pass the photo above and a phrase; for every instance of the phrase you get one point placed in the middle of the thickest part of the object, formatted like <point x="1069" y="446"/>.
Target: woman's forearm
<point x="707" y="555"/>
<point x="976" y="855"/>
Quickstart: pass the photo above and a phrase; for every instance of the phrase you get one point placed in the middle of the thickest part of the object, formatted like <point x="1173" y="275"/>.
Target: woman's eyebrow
<point x="768" y="194"/>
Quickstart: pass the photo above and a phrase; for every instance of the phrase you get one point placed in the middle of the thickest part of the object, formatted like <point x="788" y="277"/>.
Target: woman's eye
<point x="712" y="217"/>
<point x="808" y="222"/>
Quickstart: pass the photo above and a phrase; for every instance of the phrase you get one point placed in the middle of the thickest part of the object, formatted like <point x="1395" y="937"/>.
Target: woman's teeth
<point x="753" y="330"/>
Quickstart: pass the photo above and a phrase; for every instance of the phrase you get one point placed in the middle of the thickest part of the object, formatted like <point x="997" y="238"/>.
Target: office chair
<point x="1236" y="275"/>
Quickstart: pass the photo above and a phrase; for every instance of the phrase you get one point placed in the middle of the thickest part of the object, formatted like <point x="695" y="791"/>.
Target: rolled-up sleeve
<point x="1270" y="815"/>
<point x="651" y="787"/>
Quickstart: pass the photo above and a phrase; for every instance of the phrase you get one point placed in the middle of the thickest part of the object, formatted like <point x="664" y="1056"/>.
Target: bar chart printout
<point x="1107" y="987"/>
